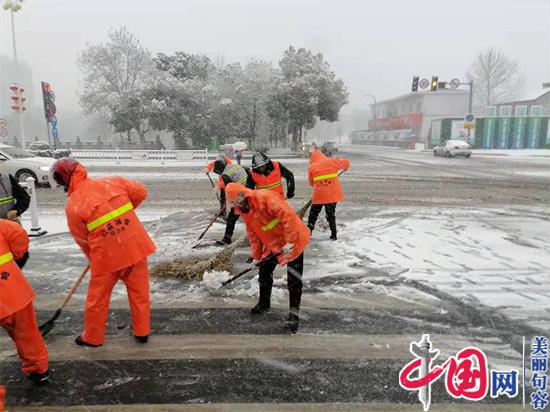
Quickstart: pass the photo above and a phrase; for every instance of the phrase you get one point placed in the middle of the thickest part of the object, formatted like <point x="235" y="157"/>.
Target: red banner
<point x="397" y="123"/>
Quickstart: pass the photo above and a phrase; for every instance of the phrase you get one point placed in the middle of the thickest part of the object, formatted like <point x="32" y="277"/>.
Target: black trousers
<point x="330" y="211"/>
<point x="295" y="270"/>
<point x="230" y="226"/>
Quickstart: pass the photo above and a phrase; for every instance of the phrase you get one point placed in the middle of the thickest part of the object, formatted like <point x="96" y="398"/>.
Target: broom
<point x="192" y="268"/>
<point x="47" y="326"/>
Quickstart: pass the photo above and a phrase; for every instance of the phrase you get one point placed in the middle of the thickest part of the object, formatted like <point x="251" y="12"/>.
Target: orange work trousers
<point x="136" y="279"/>
<point x="23" y="329"/>
<point x="2" y="398"/>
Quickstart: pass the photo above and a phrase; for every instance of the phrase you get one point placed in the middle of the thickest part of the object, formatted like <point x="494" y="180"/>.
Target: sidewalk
<point x="512" y="152"/>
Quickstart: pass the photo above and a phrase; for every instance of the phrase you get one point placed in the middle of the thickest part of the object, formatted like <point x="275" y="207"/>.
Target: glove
<point x="206" y="170"/>
<point x="21" y="262"/>
<point x="253" y="264"/>
<point x="287" y="248"/>
<point x="12" y="215"/>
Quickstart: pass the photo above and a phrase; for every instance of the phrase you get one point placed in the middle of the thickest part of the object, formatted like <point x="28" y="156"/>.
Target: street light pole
<point x="13" y="38"/>
<point x="374" y="116"/>
<point x="14" y="6"/>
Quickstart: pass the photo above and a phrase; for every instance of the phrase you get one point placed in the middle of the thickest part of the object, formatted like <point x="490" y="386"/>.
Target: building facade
<point x="541" y="100"/>
<point x="408" y="118"/>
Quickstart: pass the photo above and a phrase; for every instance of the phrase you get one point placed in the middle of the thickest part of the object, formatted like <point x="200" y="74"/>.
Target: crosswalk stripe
<point x="365" y="300"/>
<point x="300" y="346"/>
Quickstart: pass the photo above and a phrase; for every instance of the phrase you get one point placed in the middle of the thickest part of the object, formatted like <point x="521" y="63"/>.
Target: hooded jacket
<point x="210" y="167"/>
<point x="102" y="219"/>
<point x="323" y="176"/>
<point x="15" y="290"/>
<point x="270" y="223"/>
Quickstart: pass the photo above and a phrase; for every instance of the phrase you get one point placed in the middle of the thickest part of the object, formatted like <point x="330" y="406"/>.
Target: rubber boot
<point x="39" y="378"/>
<point x="142" y="339"/>
<point x="224" y="242"/>
<point x="264" y="303"/>
<point x="333" y="230"/>
<point x="291" y="324"/>
<point x="79" y="341"/>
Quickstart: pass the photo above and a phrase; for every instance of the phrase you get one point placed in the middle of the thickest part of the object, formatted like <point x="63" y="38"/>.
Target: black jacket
<point x="22" y="198"/>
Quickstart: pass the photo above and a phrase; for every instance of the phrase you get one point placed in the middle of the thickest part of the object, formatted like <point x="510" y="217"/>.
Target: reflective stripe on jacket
<point x="323" y="176"/>
<point x="102" y="219"/>
<point x="236" y="173"/>
<point x="273" y="181"/>
<point x="15" y="290"/>
<point x="271" y="223"/>
<point x="7" y="202"/>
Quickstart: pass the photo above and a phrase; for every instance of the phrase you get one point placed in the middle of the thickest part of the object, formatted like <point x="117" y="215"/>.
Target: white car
<point x="452" y="148"/>
<point x="22" y="164"/>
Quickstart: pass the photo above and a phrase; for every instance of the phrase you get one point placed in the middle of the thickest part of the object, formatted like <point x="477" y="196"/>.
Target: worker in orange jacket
<point x="102" y="219"/>
<point x="273" y="229"/>
<point x="327" y="191"/>
<point x="16" y="309"/>
<point x="268" y="174"/>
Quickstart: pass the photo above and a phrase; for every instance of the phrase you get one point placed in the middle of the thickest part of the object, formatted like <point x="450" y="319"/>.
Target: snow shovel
<point x="244" y="272"/>
<point x="216" y="216"/>
<point x="47" y="326"/>
<point x="303" y="210"/>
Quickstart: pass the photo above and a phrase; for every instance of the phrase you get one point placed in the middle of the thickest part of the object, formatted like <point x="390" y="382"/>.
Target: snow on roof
<point x="528" y="97"/>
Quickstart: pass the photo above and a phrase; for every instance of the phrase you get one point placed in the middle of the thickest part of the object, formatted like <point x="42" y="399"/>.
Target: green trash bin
<point x="214" y="143"/>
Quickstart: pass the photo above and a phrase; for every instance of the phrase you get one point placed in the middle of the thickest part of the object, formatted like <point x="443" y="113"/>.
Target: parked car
<point x="22" y="164"/>
<point x="452" y="148"/>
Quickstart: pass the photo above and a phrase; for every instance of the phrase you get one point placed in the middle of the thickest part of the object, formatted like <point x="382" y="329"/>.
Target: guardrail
<point x="36" y="230"/>
<point x="140" y="155"/>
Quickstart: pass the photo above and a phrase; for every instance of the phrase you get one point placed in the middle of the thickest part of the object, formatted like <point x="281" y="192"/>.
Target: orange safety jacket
<point x="323" y="176"/>
<point x="15" y="291"/>
<point x="271" y="223"/>
<point x="273" y="181"/>
<point x="102" y="219"/>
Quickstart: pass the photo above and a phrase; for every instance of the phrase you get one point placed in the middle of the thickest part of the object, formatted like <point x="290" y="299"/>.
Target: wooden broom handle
<point x="75" y="286"/>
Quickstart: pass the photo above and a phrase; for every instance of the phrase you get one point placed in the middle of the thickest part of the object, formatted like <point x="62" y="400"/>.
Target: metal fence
<point x="141" y="155"/>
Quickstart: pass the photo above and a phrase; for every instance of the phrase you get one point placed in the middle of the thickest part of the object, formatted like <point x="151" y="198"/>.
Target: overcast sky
<point x="374" y="46"/>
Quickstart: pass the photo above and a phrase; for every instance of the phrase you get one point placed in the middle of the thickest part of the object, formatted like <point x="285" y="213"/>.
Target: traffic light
<point x="416" y="79"/>
<point x="434" y="83"/>
<point x="17" y="98"/>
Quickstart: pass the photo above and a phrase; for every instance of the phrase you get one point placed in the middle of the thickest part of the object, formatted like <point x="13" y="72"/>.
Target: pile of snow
<point x="214" y="279"/>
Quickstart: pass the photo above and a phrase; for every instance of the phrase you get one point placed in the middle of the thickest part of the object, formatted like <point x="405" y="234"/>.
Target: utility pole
<point x="470" y="103"/>
<point x="374" y="116"/>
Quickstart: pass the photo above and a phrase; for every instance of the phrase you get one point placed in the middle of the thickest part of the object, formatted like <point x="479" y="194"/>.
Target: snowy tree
<point x="258" y="81"/>
<point x="187" y="96"/>
<point x="114" y="71"/>
<point x="133" y="114"/>
<point x="496" y="77"/>
<point x="307" y="89"/>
